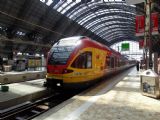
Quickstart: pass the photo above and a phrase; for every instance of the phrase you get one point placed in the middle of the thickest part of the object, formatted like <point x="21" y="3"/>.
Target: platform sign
<point x="132" y="2"/>
<point x="154" y="23"/>
<point x="140" y="24"/>
<point x="125" y="47"/>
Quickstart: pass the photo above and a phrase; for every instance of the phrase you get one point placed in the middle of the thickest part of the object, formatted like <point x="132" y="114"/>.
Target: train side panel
<point x="93" y="71"/>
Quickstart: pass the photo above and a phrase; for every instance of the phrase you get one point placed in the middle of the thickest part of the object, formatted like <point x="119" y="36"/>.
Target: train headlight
<point x="67" y="71"/>
<point x="58" y="84"/>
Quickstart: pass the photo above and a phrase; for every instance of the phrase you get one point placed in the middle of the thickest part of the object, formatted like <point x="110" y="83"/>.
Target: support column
<point x="148" y="34"/>
<point x="156" y="62"/>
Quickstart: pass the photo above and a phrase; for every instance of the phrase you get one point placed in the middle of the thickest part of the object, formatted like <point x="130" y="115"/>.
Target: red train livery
<point x="76" y="62"/>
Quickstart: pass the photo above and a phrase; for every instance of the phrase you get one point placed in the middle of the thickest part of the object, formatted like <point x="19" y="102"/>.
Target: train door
<point x="99" y="62"/>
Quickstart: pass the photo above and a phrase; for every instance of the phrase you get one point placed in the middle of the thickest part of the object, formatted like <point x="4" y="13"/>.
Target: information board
<point x="125" y="47"/>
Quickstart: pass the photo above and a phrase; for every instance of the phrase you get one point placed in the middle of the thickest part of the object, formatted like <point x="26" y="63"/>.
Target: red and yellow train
<point x="78" y="61"/>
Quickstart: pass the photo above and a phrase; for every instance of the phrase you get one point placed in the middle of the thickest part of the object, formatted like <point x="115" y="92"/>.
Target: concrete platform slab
<point x="13" y="77"/>
<point x="22" y="92"/>
<point x="111" y="100"/>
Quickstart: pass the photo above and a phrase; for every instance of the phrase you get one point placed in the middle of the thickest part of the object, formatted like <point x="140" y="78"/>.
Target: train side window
<point x="115" y="61"/>
<point x="122" y="62"/>
<point x="83" y="61"/>
<point x="118" y="62"/>
<point x="107" y="62"/>
<point x="112" y="62"/>
<point x="89" y="59"/>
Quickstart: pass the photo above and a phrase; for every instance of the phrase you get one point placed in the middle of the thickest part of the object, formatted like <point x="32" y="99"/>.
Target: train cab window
<point x="59" y="55"/>
<point x="83" y="61"/>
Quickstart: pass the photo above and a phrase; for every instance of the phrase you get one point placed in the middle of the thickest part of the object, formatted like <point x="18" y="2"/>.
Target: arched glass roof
<point x="41" y="23"/>
<point x="112" y="20"/>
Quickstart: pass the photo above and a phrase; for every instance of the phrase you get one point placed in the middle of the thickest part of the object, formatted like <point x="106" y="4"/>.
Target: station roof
<point x="111" y="20"/>
<point x="40" y="23"/>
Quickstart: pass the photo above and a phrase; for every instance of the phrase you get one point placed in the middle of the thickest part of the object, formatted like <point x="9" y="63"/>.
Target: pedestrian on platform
<point x="137" y="65"/>
<point x="1" y="63"/>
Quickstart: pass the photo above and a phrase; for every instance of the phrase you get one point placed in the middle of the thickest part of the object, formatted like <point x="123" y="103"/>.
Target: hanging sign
<point x="140" y="24"/>
<point x="125" y="47"/>
<point x="132" y="2"/>
<point x="154" y="18"/>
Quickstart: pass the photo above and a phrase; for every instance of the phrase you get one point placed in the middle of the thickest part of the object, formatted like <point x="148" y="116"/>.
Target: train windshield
<point x="61" y="50"/>
<point x="60" y="55"/>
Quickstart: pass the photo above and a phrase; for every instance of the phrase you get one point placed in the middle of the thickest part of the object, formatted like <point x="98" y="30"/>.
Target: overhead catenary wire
<point x="33" y="24"/>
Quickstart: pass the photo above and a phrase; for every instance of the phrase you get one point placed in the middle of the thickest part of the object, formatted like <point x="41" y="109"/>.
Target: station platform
<point x="117" y="98"/>
<point x="22" y="92"/>
<point x="13" y="77"/>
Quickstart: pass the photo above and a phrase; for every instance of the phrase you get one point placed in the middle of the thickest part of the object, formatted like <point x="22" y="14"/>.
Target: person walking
<point x="137" y="65"/>
<point x="1" y="63"/>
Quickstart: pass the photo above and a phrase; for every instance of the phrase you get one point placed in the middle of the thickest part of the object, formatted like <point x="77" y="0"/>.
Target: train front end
<point x="59" y="58"/>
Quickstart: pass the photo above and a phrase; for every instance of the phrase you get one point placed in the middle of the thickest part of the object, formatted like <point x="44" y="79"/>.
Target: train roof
<point x="115" y="52"/>
<point x="92" y="43"/>
<point x="101" y="45"/>
<point x="75" y="40"/>
<point x="69" y="41"/>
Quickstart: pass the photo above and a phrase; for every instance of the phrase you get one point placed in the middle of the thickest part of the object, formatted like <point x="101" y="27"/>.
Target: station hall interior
<point x="79" y="59"/>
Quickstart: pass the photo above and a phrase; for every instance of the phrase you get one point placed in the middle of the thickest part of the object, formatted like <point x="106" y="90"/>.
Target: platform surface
<point x="105" y="102"/>
<point x="20" y="72"/>
<point x="21" y="92"/>
<point x="13" y="77"/>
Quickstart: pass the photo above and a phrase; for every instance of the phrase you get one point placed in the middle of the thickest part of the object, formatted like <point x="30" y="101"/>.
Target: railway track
<point x="29" y="110"/>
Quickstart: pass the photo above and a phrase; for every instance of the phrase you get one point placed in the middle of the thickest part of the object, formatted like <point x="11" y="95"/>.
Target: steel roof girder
<point x="118" y="38"/>
<point x="99" y="6"/>
<point x="95" y="23"/>
<point x="100" y="12"/>
<point x="91" y="16"/>
<point x="116" y="33"/>
<point x="98" y="27"/>
<point x="112" y="29"/>
<point x="85" y="22"/>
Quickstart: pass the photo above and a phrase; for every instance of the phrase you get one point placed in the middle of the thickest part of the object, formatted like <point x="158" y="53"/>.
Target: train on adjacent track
<point x="76" y="62"/>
